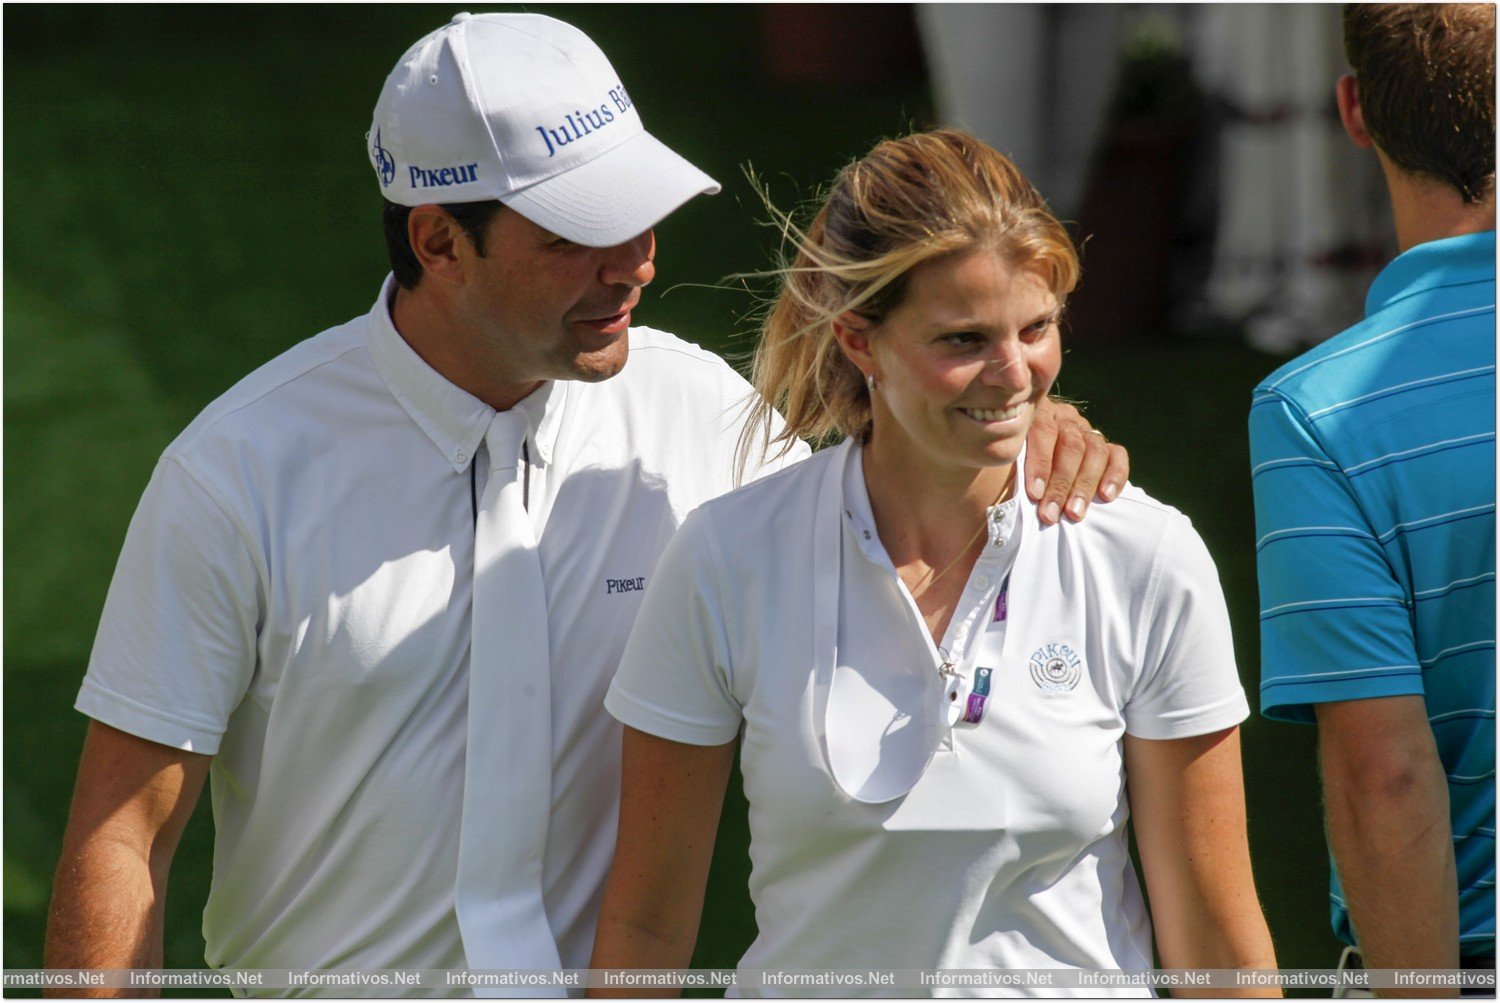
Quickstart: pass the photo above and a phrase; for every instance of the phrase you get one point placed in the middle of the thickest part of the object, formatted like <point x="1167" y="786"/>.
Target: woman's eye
<point x="1033" y="331"/>
<point x="962" y="338"/>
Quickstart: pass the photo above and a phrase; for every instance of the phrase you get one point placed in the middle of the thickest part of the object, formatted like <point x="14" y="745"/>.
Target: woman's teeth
<point x="1004" y="414"/>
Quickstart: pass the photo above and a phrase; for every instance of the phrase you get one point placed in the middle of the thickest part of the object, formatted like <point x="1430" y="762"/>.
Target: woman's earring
<point x="870" y="382"/>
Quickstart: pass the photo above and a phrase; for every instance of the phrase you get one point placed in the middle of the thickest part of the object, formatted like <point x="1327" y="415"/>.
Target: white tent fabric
<point x="1302" y="224"/>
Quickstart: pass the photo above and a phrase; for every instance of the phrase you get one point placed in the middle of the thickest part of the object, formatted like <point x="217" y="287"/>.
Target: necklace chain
<point x="965" y="549"/>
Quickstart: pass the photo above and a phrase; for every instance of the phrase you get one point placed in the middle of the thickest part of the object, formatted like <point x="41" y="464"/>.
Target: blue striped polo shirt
<point x="1373" y="462"/>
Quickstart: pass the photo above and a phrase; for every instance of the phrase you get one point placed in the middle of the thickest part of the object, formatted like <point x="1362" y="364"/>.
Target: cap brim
<point x="618" y="195"/>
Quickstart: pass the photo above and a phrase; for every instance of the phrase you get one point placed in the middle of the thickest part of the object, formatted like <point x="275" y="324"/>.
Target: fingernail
<point x="1075" y="507"/>
<point x="1110" y="491"/>
<point x="1051" y="512"/>
<point x="1037" y="487"/>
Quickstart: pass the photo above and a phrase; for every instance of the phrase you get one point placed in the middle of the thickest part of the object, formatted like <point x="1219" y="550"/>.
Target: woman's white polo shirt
<point x="1011" y="850"/>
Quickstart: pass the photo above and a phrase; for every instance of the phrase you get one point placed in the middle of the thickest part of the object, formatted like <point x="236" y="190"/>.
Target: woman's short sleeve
<point x="1189" y="684"/>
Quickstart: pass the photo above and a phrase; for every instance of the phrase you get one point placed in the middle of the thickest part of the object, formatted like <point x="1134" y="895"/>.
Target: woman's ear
<point x="852" y="332"/>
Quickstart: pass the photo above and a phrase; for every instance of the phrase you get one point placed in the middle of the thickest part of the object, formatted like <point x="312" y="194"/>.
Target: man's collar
<point x="452" y="418"/>
<point x="543" y="408"/>
<point x="1446" y="262"/>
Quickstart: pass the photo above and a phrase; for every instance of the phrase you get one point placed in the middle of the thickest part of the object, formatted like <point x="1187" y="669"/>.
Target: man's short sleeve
<point x="1334" y="622"/>
<point x="674" y="678"/>
<point x="175" y="650"/>
<point x="1188" y="684"/>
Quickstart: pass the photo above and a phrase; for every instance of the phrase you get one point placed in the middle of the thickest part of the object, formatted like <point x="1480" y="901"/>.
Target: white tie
<point x="508" y="774"/>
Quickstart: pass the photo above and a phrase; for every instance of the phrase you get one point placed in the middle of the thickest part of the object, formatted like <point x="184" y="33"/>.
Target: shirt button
<point x="982" y="582"/>
<point x="461" y="456"/>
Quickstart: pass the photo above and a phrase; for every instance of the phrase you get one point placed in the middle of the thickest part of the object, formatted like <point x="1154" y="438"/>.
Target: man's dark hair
<point x="474" y="217"/>
<point x="1426" y="79"/>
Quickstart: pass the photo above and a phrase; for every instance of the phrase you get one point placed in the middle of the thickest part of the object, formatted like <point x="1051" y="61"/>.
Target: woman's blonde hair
<point x="908" y="201"/>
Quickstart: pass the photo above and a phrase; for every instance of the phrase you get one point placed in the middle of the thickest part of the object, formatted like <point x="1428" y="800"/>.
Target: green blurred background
<point x="188" y="194"/>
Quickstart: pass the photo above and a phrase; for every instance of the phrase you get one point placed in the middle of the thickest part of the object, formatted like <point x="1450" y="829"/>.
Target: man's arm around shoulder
<point x="131" y="802"/>
<point x="1386" y="801"/>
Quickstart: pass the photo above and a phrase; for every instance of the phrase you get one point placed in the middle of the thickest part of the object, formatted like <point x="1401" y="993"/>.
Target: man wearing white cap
<point x="398" y="783"/>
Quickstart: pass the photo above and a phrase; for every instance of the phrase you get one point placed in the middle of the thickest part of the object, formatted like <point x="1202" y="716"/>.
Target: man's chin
<point x="598" y="366"/>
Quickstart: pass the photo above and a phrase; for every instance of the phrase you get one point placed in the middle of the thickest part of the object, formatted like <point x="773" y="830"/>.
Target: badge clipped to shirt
<point x="978" y="696"/>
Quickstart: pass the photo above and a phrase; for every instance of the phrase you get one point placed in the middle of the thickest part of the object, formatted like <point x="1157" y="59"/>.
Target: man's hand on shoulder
<point x="1069" y="463"/>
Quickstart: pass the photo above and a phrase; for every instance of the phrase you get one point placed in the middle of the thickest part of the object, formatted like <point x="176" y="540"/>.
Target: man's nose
<point x="631" y="263"/>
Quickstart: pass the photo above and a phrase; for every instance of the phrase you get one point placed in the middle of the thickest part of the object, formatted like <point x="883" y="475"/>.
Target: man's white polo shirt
<point x="294" y="597"/>
<point x="1009" y="848"/>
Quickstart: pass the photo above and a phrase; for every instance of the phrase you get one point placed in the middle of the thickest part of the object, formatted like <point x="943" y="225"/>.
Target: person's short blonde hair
<point x="908" y="201"/>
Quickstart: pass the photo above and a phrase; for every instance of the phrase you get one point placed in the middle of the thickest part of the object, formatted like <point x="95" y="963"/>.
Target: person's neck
<point x="429" y="324"/>
<point x="1427" y="210"/>
<point x="923" y="507"/>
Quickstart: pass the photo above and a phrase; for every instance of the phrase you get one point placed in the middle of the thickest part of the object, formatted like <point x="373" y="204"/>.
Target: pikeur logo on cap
<point x="422" y="177"/>
<point x="417" y="176"/>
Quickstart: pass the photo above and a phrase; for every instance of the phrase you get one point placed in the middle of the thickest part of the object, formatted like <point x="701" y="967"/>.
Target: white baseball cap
<point x="525" y="109"/>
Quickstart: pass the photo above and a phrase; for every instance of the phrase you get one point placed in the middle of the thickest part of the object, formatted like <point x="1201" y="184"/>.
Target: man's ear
<point x="852" y="332"/>
<point x="1350" y="113"/>
<point x="435" y="238"/>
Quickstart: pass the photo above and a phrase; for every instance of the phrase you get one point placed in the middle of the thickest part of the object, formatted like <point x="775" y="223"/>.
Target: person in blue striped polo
<point x="1373" y="462"/>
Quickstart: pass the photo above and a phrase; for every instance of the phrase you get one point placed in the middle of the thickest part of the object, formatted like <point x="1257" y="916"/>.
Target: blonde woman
<point x="950" y="714"/>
